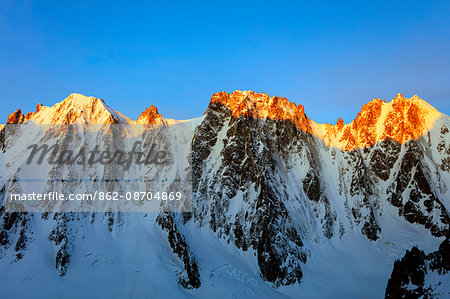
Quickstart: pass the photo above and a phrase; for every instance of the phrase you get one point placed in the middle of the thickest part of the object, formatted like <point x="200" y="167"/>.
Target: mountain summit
<point x="260" y="105"/>
<point x="401" y="119"/>
<point x="76" y="108"/>
<point x="150" y="116"/>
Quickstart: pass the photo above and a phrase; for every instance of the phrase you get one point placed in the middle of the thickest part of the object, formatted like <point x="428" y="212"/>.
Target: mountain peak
<point x="150" y="116"/>
<point x="76" y="108"/>
<point x="399" y="96"/>
<point x="16" y="117"/>
<point x="261" y="105"/>
<point x="402" y="119"/>
<point x="81" y="100"/>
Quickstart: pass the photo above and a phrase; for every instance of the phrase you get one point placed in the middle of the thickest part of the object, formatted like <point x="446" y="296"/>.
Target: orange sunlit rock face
<point x="260" y="105"/>
<point x="17" y="116"/>
<point x="401" y="119"/>
<point x="149" y="116"/>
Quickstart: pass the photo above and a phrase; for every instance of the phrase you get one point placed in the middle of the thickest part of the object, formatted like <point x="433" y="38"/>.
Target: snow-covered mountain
<point x="282" y="206"/>
<point x="79" y="109"/>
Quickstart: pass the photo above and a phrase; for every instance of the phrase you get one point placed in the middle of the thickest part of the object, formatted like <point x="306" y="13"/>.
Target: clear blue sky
<point x="332" y="57"/>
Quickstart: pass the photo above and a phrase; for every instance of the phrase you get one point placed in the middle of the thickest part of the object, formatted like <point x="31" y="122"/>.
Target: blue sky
<point x="332" y="57"/>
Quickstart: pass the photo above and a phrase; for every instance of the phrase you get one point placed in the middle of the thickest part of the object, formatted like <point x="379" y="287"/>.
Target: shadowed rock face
<point x="411" y="177"/>
<point x="244" y="169"/>
<point x="268" y="180"/>
<point x="191" y="278"/>
<point x="409" y="276"/>
<point x="244" y="148"/>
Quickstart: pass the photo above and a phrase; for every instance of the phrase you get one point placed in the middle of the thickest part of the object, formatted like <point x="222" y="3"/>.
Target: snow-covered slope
<point x="282" y="206"/>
